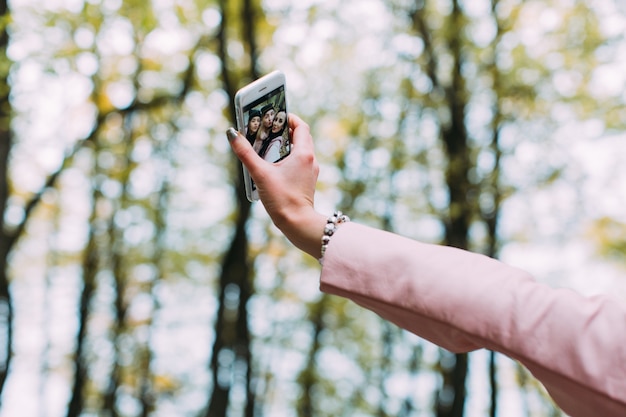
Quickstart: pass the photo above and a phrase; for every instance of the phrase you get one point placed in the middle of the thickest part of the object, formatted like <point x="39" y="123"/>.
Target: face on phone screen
<point x="265" y="125"/>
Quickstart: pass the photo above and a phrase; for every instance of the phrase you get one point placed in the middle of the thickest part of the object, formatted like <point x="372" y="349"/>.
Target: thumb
<point x="244" y="151"/>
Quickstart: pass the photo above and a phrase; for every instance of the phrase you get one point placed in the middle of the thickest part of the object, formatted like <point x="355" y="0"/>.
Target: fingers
<point x="295" y="121"/>
<point x="301" y="134"/>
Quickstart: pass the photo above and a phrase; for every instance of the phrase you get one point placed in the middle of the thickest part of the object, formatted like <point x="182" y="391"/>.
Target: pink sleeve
<point x="575" y="346"/>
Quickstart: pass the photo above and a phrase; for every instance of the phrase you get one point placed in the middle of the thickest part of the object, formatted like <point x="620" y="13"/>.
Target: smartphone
<point x="261" y="109"/>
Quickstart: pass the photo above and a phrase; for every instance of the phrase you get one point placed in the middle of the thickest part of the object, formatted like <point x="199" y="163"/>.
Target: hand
<point x="287" y="187"/>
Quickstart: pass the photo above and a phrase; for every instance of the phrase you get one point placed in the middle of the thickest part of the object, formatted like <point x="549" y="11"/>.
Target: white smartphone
<point x="261" y="109"/>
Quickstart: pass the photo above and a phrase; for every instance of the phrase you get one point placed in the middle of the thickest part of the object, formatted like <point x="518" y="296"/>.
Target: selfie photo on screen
<point x="266" y="126"/>
<point x="262" y="117"/>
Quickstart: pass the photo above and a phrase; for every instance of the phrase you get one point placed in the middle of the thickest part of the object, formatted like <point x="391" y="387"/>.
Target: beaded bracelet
<point x="332" y="223"/>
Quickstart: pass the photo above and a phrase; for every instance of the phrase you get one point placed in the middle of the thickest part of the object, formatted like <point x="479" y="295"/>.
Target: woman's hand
<point x="287" y="187"/>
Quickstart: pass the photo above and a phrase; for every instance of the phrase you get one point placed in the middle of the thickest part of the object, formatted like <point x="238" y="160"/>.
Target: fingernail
<point x="231" y="133"/>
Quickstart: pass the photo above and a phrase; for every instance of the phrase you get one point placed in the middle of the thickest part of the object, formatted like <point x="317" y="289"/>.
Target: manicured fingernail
<point x="231" y="133"/>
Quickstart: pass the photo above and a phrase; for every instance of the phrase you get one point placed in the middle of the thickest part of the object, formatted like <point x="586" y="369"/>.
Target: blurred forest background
<point x="135" y="278"/>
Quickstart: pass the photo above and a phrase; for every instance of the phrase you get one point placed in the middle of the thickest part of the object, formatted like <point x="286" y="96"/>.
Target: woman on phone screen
<point x="270" y="151"/>
<point x="254" y="122"/>
<point x="267" y="120"/>
<point x="461" y="301"/>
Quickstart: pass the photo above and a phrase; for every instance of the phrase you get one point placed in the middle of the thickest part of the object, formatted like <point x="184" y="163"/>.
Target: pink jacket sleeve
<point x="576" y="346"/>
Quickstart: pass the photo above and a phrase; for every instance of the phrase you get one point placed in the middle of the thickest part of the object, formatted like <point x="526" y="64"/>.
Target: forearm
<point x="463" y="301"/>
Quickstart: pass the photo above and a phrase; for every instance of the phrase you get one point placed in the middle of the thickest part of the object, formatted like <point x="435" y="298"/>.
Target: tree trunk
<point x="232" y="336"/>
<point x="6" y="305"/>
<point x="491" y="215"/>
<point x="90" y="270"/>
<point x="462" y="201"/>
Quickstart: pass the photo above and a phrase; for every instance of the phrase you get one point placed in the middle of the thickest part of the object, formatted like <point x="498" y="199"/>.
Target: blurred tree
<point x="231" y="360"/>
<point x="461" y="195"/>
<point x="113" y="148"/>
<point x="421" y="113"/>
<point x="90" y="265"/>
<point x="6" y="239"/>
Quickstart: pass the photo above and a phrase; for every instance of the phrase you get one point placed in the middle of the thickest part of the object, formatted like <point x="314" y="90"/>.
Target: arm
<point x="576" y="346"/>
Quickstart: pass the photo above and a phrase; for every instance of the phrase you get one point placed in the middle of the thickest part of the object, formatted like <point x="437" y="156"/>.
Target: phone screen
<point x="266" y="127"/>
<point x="261" y="110"/>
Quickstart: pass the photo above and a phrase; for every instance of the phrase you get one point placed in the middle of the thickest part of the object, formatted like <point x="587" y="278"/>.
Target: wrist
<point x="304" y="228"/>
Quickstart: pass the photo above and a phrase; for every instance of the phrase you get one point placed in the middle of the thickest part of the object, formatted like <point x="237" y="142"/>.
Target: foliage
<point x="144" y="284"/>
